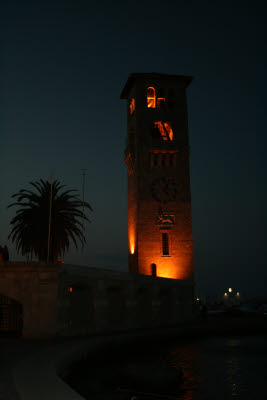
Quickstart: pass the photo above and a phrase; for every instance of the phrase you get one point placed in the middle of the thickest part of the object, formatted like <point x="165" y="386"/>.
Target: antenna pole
<point x="49" y="220"/>
<point x="83" y="223"/>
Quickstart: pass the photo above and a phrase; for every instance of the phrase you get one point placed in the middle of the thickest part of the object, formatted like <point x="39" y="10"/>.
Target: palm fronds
<point x="30" y="224"/>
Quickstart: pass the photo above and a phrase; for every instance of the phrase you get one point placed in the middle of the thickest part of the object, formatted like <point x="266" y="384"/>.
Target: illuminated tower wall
<point x="157" y="159"/>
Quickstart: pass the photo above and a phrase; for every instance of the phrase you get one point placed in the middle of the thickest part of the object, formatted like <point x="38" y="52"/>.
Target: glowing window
<point x="132" y="106"/>
<point x="165" y="244"/>
<point x="151" y="97"/>
<point x="160" y="98"/>
<point x="165" y="130"/>
<point x="160" y="102"/>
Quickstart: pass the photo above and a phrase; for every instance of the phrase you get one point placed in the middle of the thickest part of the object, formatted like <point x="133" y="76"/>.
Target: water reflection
<point x="222" y="368"/>
<point x="185" y="358"/>
<point x="218" y="368"/>
<point x="233" y="371"/>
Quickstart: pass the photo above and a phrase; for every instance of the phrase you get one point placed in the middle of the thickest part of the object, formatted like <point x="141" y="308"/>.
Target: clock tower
<point x="157" y="159"/>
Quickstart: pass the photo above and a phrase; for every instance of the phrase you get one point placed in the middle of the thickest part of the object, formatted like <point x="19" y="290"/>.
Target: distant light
<point x="225" y="294"/>
<point x="70" y="289"/>
<point x="197" y="299"/>
<point x="230" y="290"/>
<point x="237" y="294"/>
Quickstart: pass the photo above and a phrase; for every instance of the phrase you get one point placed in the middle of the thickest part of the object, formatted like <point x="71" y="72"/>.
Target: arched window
<point x="151" y="97"/>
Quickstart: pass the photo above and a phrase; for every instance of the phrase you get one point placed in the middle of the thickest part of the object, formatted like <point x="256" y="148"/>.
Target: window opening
<point x="160" y="102"/>
<point x="132" y="106"/>
<point x="165" y="244"/>
<point x="151" y="97"/>
<point x="167" y="163"/>
<point x="153" y="160"/>
<point x="165" y="130"/>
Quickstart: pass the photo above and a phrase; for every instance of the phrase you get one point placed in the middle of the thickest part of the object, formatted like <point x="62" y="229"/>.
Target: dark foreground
<point x="120" y="365"/>
<point x="219" y="357"/>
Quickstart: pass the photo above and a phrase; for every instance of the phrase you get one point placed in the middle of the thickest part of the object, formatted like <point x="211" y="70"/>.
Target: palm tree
<point x="30" y="225"/>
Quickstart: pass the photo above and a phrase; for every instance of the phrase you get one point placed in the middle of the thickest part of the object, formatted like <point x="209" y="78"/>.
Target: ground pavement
<point x="7" y="386"/>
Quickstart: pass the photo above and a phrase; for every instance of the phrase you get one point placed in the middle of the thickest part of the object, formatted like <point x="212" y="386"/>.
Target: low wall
<point x="72" y="300"/>
<point x="35" y="287"/>
<point x="92" y="300"/>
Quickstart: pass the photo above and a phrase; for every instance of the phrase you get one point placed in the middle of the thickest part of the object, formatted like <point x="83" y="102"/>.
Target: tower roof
<point x="153" y="76"/>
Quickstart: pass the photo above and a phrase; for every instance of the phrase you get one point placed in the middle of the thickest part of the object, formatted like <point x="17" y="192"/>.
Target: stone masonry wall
<point x="94" y="300"/>
<point x="35" y="287"/>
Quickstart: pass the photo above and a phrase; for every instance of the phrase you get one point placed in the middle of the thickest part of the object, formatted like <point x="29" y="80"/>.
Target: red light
<point x="70" y="289"/>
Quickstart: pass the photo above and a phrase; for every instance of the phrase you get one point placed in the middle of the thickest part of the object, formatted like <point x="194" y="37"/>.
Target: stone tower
<point x="157" y="159"/>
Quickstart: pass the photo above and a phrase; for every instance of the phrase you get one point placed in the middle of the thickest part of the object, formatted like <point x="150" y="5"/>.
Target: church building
<point x="157" y="159"/>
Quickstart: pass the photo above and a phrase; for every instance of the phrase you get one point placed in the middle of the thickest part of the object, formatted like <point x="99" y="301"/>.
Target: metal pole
<point x="83" y="223"/>
<point x="49" y="220"/>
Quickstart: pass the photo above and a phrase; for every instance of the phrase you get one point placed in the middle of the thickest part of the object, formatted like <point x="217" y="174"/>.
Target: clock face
<point x="164" y="189"/>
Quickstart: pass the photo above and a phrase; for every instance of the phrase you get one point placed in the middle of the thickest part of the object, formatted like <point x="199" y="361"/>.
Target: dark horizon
<point x="62" y="72"/>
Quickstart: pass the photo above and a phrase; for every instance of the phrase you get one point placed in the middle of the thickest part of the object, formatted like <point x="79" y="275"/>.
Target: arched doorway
<point x="11" y="317"/>
<point x="153" y="269"/>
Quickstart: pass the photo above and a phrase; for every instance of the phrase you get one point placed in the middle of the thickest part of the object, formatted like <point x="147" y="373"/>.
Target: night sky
<point x="63" y="65"/>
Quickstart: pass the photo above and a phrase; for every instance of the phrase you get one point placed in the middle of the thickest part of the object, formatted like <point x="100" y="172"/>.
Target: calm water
<point x="218" y="368"/>
<point x="223" y="368"/>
